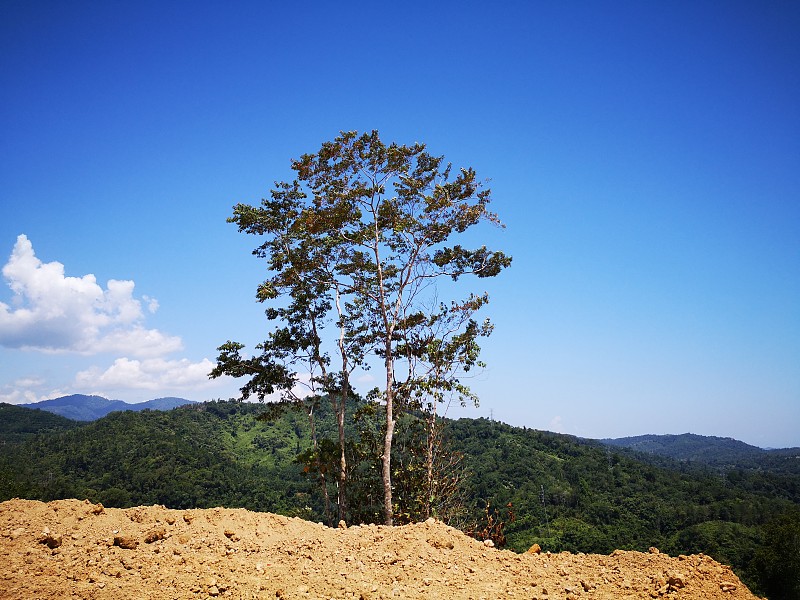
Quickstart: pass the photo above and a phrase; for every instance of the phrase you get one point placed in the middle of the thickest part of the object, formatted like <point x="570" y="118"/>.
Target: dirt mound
<point x="74" y="549"/>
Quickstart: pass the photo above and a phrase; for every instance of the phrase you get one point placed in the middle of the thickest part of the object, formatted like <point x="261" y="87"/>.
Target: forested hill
<point x="18" y="424"/>
<point x="712" y="451"/>
<point x="565" y="493"/>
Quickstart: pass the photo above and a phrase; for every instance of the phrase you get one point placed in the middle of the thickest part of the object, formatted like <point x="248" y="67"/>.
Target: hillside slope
<point x="17" y="423"/>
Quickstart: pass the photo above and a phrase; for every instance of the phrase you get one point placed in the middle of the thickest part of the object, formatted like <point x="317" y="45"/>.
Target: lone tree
<point x="354" y="247"/>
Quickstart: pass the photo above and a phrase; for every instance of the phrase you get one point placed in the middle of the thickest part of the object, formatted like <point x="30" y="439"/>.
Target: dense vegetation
<point x="18" y="424"/>
<point x="714" y="451"/>
<point x="213" y="454"/>
<point x="565" y="493"/>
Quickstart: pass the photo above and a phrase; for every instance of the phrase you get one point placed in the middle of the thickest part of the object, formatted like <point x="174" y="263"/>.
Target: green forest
<point x="518" y="486"/>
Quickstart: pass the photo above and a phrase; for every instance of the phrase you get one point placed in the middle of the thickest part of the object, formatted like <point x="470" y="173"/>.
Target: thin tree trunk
<point x="322" y="481"/>
<point x="340" y="413"/>
<point x="342" y="496"/>
<point x="387" y="440"/>
<point x="429" y="456"/>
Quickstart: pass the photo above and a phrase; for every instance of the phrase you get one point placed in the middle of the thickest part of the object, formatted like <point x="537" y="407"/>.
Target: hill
<point x="80" y="407"/>
<point x="716" y="452"/>
<point x="18" y="424"/>
<point x="690" y="447"/>
<point x="201" y="455"/>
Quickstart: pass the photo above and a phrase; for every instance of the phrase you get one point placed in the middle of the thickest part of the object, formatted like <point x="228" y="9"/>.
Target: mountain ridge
<point x="695" y="448"/>
<point x="83" y="407"/>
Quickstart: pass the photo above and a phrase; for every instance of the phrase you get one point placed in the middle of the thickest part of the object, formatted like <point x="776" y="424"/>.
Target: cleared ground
<point x="75" y="549"/>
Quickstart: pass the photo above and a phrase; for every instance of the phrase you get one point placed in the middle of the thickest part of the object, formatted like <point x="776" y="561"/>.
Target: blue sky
<point x="645" y="157"/>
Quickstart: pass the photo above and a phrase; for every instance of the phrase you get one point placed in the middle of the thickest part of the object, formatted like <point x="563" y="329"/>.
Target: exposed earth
<point x="75" y="549"/>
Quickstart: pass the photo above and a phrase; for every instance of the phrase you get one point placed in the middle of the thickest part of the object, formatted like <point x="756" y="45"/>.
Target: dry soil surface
<point x="74" y="549"/>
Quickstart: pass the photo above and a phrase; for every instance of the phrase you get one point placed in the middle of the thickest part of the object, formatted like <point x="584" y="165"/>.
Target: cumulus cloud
<point x="18" y="396"/>
<point x="156" y="374"/>
<point x="51" y="312"/>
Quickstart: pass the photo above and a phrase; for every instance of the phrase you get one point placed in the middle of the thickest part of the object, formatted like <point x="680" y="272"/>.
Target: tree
<point x="366" y="229"/>
<point x="778" y="559"/>
<point x="301" y="265"/>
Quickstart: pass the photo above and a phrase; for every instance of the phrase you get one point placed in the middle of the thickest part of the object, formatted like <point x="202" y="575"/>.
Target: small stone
<point x="488" y="543"/>
<point x="127" y="543"/>
<point x="155" y="535"/>
<point x="535" y="549"/>
<point x="676" y="581"/>
<point x="342" y="524"/>
<point x="727" y="586"/>
<point x="654" y="550"/>
<point x="50" y="540"/>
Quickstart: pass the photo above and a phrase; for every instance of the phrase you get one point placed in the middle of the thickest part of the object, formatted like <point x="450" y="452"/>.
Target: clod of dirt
<point x="128" y="543"/>
<point x="154" y="535"/>
<point x="50" y="540"/>
<point x="236" y="554"/>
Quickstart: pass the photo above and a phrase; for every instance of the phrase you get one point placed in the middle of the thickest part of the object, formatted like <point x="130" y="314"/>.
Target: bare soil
<point x="75" y="549"/>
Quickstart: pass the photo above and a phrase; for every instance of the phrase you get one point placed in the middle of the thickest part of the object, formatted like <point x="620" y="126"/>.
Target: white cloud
<point x="556" y="424"/>
<point x="18" y="396"/>
<point x="155" y="374"/>
<point x="55" y="313"/>
<point x="27" y="382"/>
<point x="152" y="303"/>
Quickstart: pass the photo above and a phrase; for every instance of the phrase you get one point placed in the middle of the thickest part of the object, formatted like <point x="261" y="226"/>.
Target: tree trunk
<point x="342" y="497"/>
<point x="340" y="413"/>
<point x="320" y="473"/>
<point x="429" y="457"/>
<point x="387" y="440"/>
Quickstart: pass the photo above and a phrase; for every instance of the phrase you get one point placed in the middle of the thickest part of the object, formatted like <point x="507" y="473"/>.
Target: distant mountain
<point x="167" y="403"/>
<point x="691" y="447"/>
<point x="80" y="407"/>
<point x="704" y="452"/>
